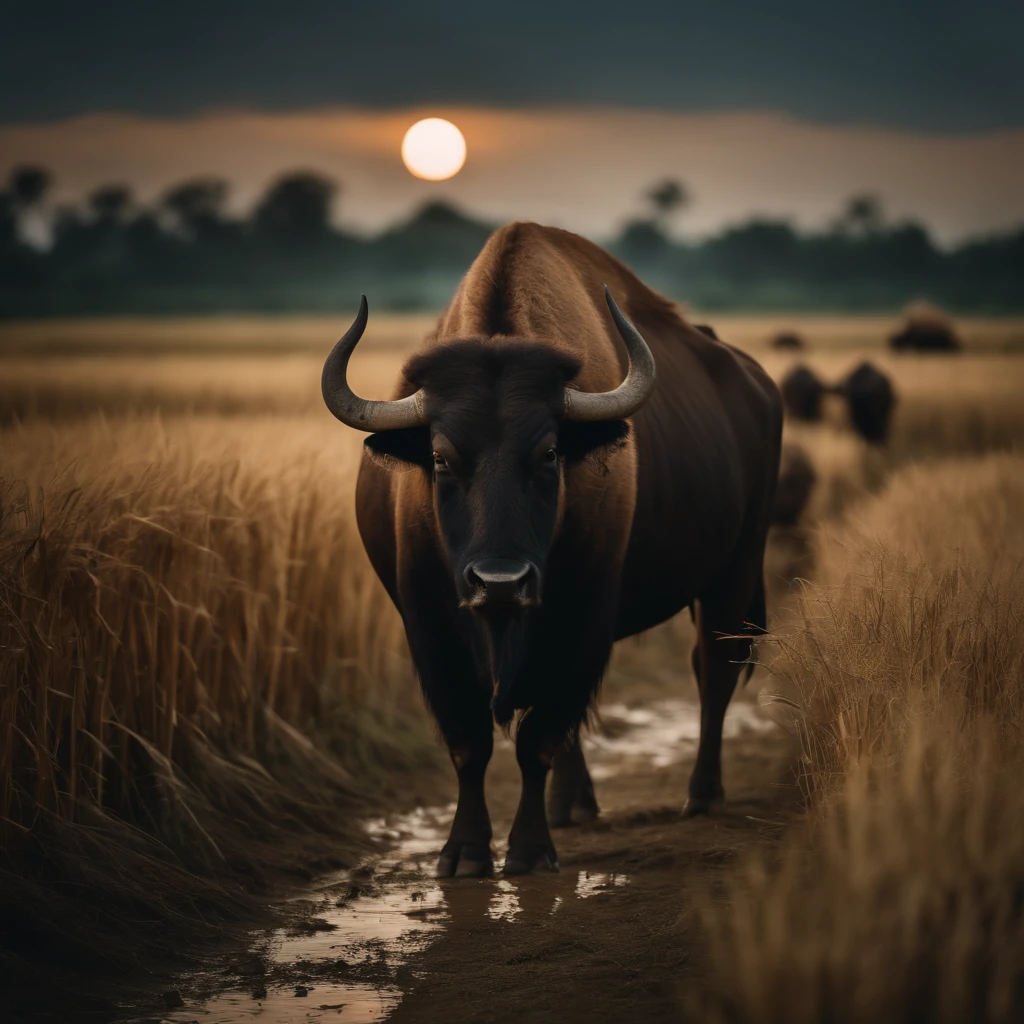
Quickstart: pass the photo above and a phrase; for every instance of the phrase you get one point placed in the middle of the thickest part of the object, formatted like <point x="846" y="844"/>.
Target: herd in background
<point x="866" y="391"/>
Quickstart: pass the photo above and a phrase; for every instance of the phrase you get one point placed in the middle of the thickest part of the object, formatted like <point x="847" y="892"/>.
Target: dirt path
<point x="612" y="937"/>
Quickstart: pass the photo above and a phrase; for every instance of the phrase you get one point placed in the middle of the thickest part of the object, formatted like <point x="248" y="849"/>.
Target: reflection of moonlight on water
<point x="434" y="149"/>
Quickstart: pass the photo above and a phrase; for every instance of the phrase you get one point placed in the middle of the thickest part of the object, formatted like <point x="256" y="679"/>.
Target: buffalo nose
<point x="502" y="583"/>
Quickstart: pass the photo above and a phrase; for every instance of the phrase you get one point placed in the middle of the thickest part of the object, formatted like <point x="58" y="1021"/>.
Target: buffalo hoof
<point x="465" y="860"/>
<point x="586" y="809"/>
<point x="580" y="813"/>
<point x="702" y="804"/>
<point x="530" y="861"/>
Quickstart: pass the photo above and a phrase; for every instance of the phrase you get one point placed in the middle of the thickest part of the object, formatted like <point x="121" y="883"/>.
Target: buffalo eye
<point x="440" y="462"/>
<point x="551" y="456"/>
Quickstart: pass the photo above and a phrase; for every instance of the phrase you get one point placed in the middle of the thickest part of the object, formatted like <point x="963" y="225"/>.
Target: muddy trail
<point x="612" y="936"/>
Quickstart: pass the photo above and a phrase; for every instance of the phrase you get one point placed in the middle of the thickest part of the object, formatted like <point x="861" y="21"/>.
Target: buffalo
<point x="788" y="340"/>
<point x="870" y="396"/>
<point x="796" y="484"/>
<point x="537" y="490"/>
<point x="802" y="394"/>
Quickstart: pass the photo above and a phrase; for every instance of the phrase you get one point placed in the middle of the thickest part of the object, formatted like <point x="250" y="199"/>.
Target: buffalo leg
<point x="470" y="739"/>
<point x="462" y="710"/>
<point x="571" y="797"/>
<point x="717" y="666"/>
<point x="529" y="842"/>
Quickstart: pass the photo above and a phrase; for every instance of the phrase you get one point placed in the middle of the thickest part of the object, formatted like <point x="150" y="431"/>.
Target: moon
<point x="434" y="149"/>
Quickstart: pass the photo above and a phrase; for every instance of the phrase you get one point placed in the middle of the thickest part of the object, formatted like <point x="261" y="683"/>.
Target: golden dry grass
<point x="946" y="405"/>
<point x="201" y="679"/>
<point x="202" y="336"/>
<point x="162" y="574"/>
<point x="249" y="335"/>
<point x="901" y="899"/>
<point x="199" y="670"/>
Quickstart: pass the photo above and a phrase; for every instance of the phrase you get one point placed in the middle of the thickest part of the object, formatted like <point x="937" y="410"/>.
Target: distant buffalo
<point x="788" y="340"/>
<point x="802" y="393"/>
<point x="871" y="398"/>
<point x="796" y="483"/>
<point x="925" y="329"/>
<point x="708" y="330"/>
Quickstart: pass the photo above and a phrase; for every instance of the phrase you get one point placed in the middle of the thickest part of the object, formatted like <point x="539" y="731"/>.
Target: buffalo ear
<point x="576" y="441"/>
<point x="409" y="446"/>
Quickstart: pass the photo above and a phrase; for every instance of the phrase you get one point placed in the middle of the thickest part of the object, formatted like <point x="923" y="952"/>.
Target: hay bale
<point x="925" y="328"/>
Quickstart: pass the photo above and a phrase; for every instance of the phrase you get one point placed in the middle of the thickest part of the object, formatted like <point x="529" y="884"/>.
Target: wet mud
<point x="612" y="935"/>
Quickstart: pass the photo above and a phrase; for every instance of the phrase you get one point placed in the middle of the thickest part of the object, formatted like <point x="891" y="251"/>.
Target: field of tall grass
<point x="202" y="684"/>
<point x="902" y="898"/>
<point x="201" y="680"/>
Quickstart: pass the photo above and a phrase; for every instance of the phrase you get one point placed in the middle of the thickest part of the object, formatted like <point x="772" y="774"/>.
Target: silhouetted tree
<point x="758" y="250"/>
<point x="28" y="185"/>
<point x="185" y="253"/>
<point x="111" y="204"/>
<point x="438" y="236"/>
<point x="642" y="244"/>
<point x="297" y="207"/>
<point x="8" y="220"/>
<point x="197" y="207"/>
<point x="863" y="215"/>
<point x="666" y="197"/>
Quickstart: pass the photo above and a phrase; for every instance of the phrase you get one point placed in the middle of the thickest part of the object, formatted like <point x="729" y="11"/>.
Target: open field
<point x="254" y="335"/>
<point x="204" y="688"/>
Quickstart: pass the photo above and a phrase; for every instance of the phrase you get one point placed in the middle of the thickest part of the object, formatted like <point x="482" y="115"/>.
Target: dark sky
<point x="944" y="65"/>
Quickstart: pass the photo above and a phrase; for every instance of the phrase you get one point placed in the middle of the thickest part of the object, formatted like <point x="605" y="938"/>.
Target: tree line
<point x="186" y="253"/>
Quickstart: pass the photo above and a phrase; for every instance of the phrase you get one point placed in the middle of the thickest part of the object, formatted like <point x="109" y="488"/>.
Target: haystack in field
<point x="925" y="328"/>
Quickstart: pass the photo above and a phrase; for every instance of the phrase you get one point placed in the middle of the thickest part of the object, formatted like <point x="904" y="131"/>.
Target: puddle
<point x="402" y="917"/>
<point x="662" y="733"/>
<point x="591" y="883"/>
<point x="415" y="838"/>
<point x="504" y="904"/>
<point x="345" y="1004"/>
<point x="349" y="961"/>
<point x="377" y="932"/>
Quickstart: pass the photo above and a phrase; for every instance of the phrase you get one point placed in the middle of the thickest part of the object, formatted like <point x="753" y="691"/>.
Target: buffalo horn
<point x="630" y="395"/>
<point x="357" y="412"/>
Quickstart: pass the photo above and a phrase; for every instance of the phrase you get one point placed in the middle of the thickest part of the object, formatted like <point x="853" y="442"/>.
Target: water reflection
<point x="342" y="1004"/>
<point x="591" y="883"/>
<point x="504" y="903"/>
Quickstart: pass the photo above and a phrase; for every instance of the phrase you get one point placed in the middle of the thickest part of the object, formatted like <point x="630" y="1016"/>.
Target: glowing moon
<point x="434" y="149"/>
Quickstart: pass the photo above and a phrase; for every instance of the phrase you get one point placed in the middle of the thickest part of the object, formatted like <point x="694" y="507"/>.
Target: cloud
<point x="941" y="66"/>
